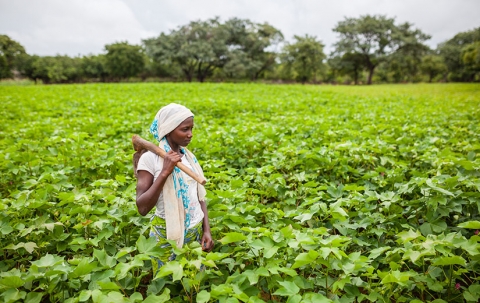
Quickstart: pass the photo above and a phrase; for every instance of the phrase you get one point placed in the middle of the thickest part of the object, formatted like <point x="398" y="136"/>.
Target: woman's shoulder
<point x="149" y="154"/>
<point x="149" y="157"/>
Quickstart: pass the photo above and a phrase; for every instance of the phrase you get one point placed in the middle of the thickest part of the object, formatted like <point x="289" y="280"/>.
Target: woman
<point x="179" y="201"/>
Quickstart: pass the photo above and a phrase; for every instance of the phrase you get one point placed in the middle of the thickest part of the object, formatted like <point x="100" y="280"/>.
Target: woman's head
<point x="169" y="118"/>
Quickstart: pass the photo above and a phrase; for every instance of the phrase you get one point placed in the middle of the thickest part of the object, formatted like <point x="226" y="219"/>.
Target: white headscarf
<point x="168" y="118"/>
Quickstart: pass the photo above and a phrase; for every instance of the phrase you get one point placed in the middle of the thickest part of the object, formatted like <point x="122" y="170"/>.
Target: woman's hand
<point x="170" y="161"/>
<point x="207" y="242"/>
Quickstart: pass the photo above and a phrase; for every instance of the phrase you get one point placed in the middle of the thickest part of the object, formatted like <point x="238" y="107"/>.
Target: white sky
<point x="81" y="27"/>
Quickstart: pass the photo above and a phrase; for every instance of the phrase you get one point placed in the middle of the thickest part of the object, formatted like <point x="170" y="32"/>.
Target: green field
<point x="315" y="194"/>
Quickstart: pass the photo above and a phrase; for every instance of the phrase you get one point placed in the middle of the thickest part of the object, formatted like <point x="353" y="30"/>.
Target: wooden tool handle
<point x="139" y="144"/>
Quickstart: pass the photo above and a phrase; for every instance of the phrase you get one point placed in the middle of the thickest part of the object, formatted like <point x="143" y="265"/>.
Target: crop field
<point x="315" y="194"/>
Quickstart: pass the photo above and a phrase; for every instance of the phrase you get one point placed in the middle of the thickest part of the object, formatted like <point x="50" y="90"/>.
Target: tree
<point x="26" y="66"/>
<point x="451" y="50"/>
<point x="94" y="67"/>
<point x="248" y="43"/>
<point x="124" y="60"/>
<point x="305" y="56"/>
<point x="376" y="38"/>
<point x="58" y="69"/>
<point x="432" y="65"/>
<point x="10" y="53"/>
<point x="198" y="48"/>
<point x="351" y="64"/>
<point x="471" y="57"/>
<point x="238" y="47"/>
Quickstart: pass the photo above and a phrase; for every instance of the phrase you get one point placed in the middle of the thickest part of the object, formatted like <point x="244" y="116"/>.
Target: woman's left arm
<point x="207" y="241"/>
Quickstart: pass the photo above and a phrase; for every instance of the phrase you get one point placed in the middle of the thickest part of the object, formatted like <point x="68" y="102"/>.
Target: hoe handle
<point x="139" y="144"/>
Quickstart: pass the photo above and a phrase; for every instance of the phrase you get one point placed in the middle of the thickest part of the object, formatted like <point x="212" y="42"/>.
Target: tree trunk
<point x="355" y="77"/>
<point x="187" y="75"/>
<point x="370" y="75"/>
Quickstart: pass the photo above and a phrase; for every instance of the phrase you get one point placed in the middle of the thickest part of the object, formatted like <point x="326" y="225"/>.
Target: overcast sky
<point x="81" y="27"/>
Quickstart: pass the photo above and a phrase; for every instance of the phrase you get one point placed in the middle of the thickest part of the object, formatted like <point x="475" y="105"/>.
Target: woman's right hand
<point x="170" y="161"/>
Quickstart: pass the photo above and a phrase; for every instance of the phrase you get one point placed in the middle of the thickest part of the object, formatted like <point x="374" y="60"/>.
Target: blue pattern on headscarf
<point x="179" y="185"/>
<point x="154" y="129"/>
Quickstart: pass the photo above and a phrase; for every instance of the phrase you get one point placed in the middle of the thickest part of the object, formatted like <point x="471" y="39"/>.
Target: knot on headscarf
<point x="168" y="118"/>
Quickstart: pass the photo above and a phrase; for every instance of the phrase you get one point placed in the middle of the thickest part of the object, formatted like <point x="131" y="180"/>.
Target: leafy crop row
<point x="316" y="194"/>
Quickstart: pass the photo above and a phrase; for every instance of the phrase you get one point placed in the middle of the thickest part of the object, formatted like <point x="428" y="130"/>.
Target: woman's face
<point x="182" y="135"/>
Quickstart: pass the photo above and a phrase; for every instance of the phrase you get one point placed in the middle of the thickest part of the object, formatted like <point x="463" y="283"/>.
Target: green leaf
<point x="173" y="268"/>
<point x="136" y="297"/>
<point x="288" y="271"/>
<point x="470" y="225"/>
<point x="203" y="296"/>
<point x="83" y="268"/>
<point x="84" y="295"/>
<point x="104" y="259"/>
<point x="294" y="299"/>
<point x="218" y="291"/>
<point x="34" y="297"/>
<point x="12" y="295"/>
<point x="287" y="289"/>
<point x="145" y="245"/>
<point x="164" y="297"/>
<point x="315" y="298"/>
<point x="262" y="271"/>
<point x="252" y="276"/>
<point x="122" y="269"/>
<point x="407" y="236"/>
<point x="216" y="256"/>
<point x="48" y="261"/>
<point x="305" y="258"/>
<point x="443" y="191"/>
<point x="473" y="293"/>
<point x="455" y="260"/>
<point x="108" y="285"/>
<point x="232" y="237"/>
<point x="374" y="253"/>
<point x="12" y="282"/>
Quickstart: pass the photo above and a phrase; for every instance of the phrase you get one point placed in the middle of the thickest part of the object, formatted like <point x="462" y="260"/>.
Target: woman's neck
<point x="173" y="146"/>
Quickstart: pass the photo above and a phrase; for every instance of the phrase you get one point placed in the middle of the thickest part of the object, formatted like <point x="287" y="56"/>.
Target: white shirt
<point x="149" y="162"/>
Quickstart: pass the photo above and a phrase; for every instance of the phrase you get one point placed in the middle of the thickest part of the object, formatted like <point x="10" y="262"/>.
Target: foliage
<point x="94" y="67"/>
<point x="471" y="57"/>
<point x="451" y="51"/>
<point x="305" y="57"/>
<point x="351" y="64"/>
<point x="10" y="52"/>
<point x="370" y="47"/>
<point x="198" y="48"/>
<point x="123" y="60"/>
<point x="376" y="39"/>
<point x="432" y="65"/>
<point x="237" y="47"/>
<point x="248" y="43"/>
<point x="58" y="69"/>
<point x="315" y="194"/>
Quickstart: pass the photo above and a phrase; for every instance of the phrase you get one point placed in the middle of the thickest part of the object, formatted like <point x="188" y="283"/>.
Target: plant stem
<point x="450" y="281"/>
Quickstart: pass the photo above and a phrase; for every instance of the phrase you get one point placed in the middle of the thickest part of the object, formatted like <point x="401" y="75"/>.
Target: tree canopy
<point x="305" y="57"/>
<point x="238" y="47"/>
<point x="370" y="48"/>
<point x="376" y="39"/>
<point x="197" y="48"/>
<point x="452" y="49"/>
<point x="124" y="60"/>
<point x="10" y="54"/>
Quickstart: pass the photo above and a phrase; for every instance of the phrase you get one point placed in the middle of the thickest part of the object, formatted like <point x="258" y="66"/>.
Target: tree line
<point x="370" y="49"/>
